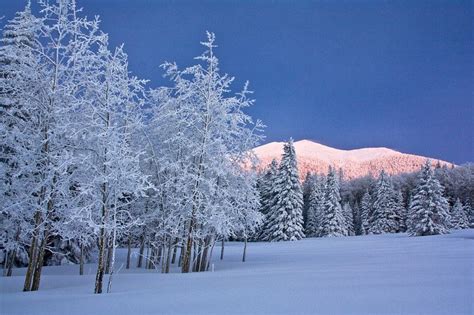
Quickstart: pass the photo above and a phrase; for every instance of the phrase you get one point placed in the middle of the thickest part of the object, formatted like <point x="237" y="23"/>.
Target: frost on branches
<point x="429" y="210"/>
<point x="284" y="221"/>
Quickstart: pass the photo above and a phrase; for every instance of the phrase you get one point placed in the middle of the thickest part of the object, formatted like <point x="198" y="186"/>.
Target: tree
<point x="198" y="141"/>
<point x="459" y="219"/>
<point x="348" y="218"/>
<point x="401" y="211"/>
<point x="429" y="214"/>
<point x="285" y="220"/>
<point x="315" y="207"/>
<point x="384" y="217"/>
<point x="266" y="189"/>
<point x="333" y="223"/>
<point x="366" y="212"/>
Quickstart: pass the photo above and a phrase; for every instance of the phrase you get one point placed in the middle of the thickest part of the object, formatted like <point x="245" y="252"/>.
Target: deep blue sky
<point x="347" y="74"/>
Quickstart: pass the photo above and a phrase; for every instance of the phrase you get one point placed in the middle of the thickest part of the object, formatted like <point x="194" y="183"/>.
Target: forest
<point x="92" y="159"/>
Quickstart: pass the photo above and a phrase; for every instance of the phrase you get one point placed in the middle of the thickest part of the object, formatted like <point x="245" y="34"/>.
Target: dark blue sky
<point x="347" y="74"/>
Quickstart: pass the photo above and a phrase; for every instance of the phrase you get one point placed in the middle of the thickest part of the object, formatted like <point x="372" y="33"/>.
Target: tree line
<point x="428" y="202"/>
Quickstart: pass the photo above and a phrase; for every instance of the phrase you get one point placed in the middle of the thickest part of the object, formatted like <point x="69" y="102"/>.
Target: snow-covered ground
<point x="389" y="274"/>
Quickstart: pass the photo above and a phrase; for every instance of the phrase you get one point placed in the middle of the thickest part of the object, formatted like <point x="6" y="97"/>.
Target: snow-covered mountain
<point x="316" y="158"/>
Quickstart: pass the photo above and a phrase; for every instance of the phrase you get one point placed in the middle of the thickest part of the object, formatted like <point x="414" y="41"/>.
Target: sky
<point x="347" y="74"/>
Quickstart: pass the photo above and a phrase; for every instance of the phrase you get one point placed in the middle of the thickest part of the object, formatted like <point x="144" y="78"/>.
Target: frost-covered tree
<point x="198" y="141"/>
<point x="284" y="222"/>
<point x="315" y="207"/>
<point x="333" y="223"/>
<point x="459" y="219"/>
<point x="266" y="189"/>
<point x="365" y="212"/>
<point x="401" y="211"/>
<point x="384" y="216"/>
<point x="18" y="85"/>
<point x="348" y="219"/>
<point x="429" y="210"/>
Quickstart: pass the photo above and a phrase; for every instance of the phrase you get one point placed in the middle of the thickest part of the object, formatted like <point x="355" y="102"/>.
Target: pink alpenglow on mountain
<point x="316" y="158"/>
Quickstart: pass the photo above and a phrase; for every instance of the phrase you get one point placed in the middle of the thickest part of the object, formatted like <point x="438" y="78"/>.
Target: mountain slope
<point x="316" y="158"/>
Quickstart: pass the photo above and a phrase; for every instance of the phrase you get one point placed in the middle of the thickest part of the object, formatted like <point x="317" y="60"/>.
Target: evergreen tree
<point x="384" y="217"/>
<point x="365" y="212"/>
<point x="401" y="211"/>
<point x="285" y="219"/>
<point x="428" y="214"/>
<point x="315" y="201"/>
<point x="333" y="219"/>
<point x="266" y="188"/>
<point x="459" y="219"/>
<point x="348" y="218"/>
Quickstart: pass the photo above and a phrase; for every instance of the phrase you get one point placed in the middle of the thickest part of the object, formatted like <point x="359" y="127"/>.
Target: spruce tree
<point x="384" y="217"/>
<point x="333" y="223"/>
<point x="429" y="210"/>
<point x="315" y="207"/>
<point x="285" y="219"/>
<point x="365" y="212"/>
<point x="266" y="187"/>
<point x="348" y="218"/>
<point x="401" y="211"/>
<point x="459" y="219"/>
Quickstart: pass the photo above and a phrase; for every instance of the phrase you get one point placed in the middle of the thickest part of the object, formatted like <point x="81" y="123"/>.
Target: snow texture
<point x="374" y="274"/>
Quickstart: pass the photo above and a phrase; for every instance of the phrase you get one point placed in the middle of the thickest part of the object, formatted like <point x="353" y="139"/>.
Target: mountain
<point x="316" y="158"/>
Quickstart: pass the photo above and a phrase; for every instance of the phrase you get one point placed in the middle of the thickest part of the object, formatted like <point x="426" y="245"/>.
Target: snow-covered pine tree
<point x="315" y="207"/>
<point x="285" y="220"/>
<point x="307" y="186"/>
<point x="333" y="223"/>
<point x="429" y="210"/>
<point x="401" y="211"/>
<point x="348" y="218"/>
<point x="459" y="219"/>
<point x="266" y="188"/>
<point x="384" y="217"/>
<point x="365" y="212"/>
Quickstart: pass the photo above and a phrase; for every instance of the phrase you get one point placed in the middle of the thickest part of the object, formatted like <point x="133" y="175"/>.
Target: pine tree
<point x="428" y="214"/>
<point x="348" y="218"/>
<point x="384" y="217"/>
<point x="333" y="219"/>
<point x="401" y="212"/>
<point x="285" y="220"/>
<point x="266" y="188"/>
<point x="315" y="207"/>
<point x="459" y="219"/>
<point x="365" y="212"/>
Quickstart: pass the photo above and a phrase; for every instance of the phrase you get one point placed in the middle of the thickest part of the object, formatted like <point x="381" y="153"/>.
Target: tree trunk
<point x="109" y="260"/>
<point x="32" y="254"/>
<point x="175" y="251"/>
<point x="187" y="250"/>
<point x="39" y="263"/>
<point x="222" y="249"/>
<point x="81" y="261"/>
<point x="142" y="250"/>
<point x="210" y="255"/>
<point x="245" y="249"/>
<point x="168" y="257"/>
<point x="112" y="258"/>
<point x="129" y="251"/>
<point x="204" y="255"/>
<point x="100" y="267"/>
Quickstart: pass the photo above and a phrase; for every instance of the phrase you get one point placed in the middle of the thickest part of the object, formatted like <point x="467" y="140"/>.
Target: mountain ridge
<point x="316" y="158"/>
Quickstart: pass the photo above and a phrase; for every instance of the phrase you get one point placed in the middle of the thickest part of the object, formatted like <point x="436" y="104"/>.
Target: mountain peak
<point x="316" y="158"/>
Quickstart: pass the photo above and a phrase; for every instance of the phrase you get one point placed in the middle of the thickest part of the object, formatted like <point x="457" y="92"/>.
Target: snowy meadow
<point x="374" y="274"/>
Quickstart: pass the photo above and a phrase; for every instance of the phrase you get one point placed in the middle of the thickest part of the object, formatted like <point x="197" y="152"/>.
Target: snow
<point x="307" y="148"/>
<point x="376" y="274"/>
